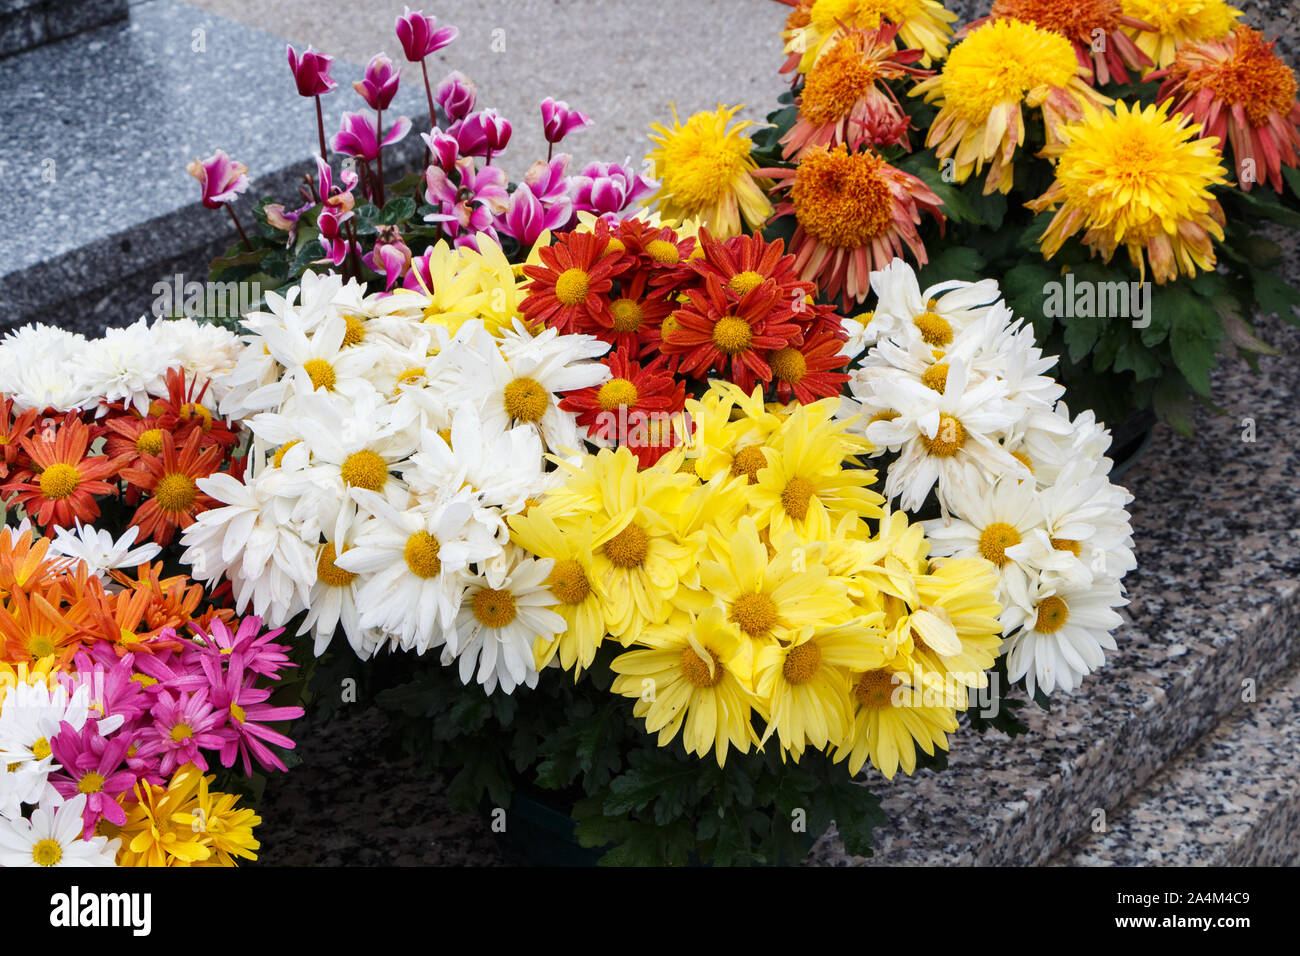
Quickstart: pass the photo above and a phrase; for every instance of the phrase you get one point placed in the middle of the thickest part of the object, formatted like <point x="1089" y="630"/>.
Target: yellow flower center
<point x="356" y="330"/>
<point x="842" y="199"/>
<point x="92" y="782"/>
<point x="47" y="852"/>
<point x="1066" y="544"/>
<point x="628" y="315"/>
<point x="748" y="461"/>
<point x="875" y="689"/>
<point x="754" y="613"/>
<point x="421" y="554"/>
<point x="663" y="252"/>
<point x="789" y="365"/>
<point x="39" y="645"/>
<point x="494" y="608"/>
<point x="175" y="492"/>
<point x="615" y="246"/>
<point x="744" y="282"/>
<point x="59" y="481"/>
<point x="616" y="392"/>
<point x="796" y="496"/>
<point x="1052" y="615"/>
<point x="696" y="669"/>
<point x="321" y="374"/>
<point x="948" y="440"/>
<point x="278" y="458"/>
<point x="994" y="541"/>
<point x="182" y="732"/>
<point x="365" y="469"/>
<point x="329" y="573"/>
<point x="572" y="285"/>
<point x="238" y="712"/>
<point x="41" y="749"/>
<point x="150" y="442"/>
<point x="628" y="548"/>
<point x="526" y="400"/>
<point x="888" y="415"/>
<point x="1021" y="457"/>
<point x="934" y="329"/>
<point x="410" y="376"/>
<point x="568" y="582"/>
<point x="802" y="663"/>
<point x="936" y="377"/>
<point x="732" y="335"/>
<point x="192" y="410"/>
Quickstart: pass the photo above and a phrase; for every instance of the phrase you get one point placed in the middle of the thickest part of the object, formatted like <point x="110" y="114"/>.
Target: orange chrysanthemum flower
<point x="171" y="601"/>
<point x="174" y="497"/>
<point x="855" y="213"/>
<point x="24" y="562"/>
<point x="1241" y="92"/>
<point x="845" y="98"/>
<point x="1096" y="28"/>
<point x="60" y="486"/>
<point x="31" y="627"/>
<point x="13" y="429"/>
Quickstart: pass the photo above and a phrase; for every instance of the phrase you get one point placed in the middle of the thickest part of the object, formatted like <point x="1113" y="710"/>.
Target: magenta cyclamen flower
<point x="184" y="725"/>
<point x="608" y="189"/>
<point x="467" y="203"/>
<point x="359" y="136"/>
<point x="92" y="765"/>
<point x="336" y="246"/>
<point x="221" y="177"/>
<point x="482" y="134"/>
<point x="456" y="95"/>
<point x="558" y="121"/>
<point x="549" y="181"/>
<point x="420" y="35"/>
<point x="379" y="85"/>
<point x="528" y="218"/>
<point x="390" y="256"/>
<point x="443" y="148"/>
<point x="311" y="71"/>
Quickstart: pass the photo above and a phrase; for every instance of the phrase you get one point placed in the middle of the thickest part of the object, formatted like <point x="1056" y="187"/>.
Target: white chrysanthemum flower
<point x="1048" y="447"/>
<point x="128" y="365"/>
<point x="941" y="433"/>
<point x="98" y="549"/>
<point x="335" y="596"/>
<point x="1063" y="634"/>
<point x="252" y="540"/>
<point x="501" y="468"/>
<point x="52" y="837"/>
<point x="505" y="611"/>
<point x="317" y="356"/>
<point x="42" y="367"/>
<point x="30" y="715"/>
<point x="205" y="351"/>
<point x="936" y="314"/>
<point x="413" y="556"/>
<point x="1086" y="517"/>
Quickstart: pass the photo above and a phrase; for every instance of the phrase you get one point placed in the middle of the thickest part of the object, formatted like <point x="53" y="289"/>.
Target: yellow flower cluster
<point x="755" y="600"/>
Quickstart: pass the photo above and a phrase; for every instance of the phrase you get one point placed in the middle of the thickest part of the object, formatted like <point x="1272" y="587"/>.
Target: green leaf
<point x="396" y="211"/>
<point x="954" y="262"/>
<point x="1274" y="295"/>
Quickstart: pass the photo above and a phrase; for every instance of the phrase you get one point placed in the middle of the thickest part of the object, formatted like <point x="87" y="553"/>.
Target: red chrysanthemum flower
<point x="13" y="429"/>
<point x="570" y="289"/>
<point x="634" y="408"/>
<point x="183" y="412"/>
<point x="659" y="252"/>
<point x="1241" y="92"/>
<point x="637" y="315"/>
<point x="60" y="484"/>
<point x="716" y="333"/>
<point x="174" y="497"/>
<point x="811" y="370"/>
<point x="129" y="440"/>
<point x="743" y="263"/>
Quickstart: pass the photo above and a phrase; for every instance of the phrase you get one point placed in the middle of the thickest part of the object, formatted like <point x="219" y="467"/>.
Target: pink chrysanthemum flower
<point x="92" y="765"/>
<point x="184" y="726"/>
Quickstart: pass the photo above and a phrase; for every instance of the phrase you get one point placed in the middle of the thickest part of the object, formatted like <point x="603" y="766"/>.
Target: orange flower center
<point x="175" y="492"/>
<point x="526" y="400"/>
<point x="615" y="393"/>
<point x="356" y="330"/>
<point x="748" y="461"/>
<point x="150" y="442"/>
<point x="421" y="555"/>
<point x="628" y="548"/>
<point x="1248" y="73"/>
<point x="744" y="282"/>
<point x="1074" y="19"/>
<point x="494" y="607"/>
<point x="995" y="539"/>
<point x="842" y="199"/>
<point x="365" y="469"/>
<point x="1052" y="615"/>
<point x="59" y="481"/>
<point x="948" y="440"/>
<point x="936" y="377"/>
<point x="321" y="374"/>
<point x="628" y="315"/>
<point x="875" y="690"/>
<point x="696" y="669"/>
<point x="568" y="582"/>
<point x="802" y="662"/>
<point x="732" y="335"/>
<point x="841" y="77"/>
<point x="789" y="365"/>
<point x="754" y="613"/>
<point x="796" y="496"/>
<point x="329" y="573"/>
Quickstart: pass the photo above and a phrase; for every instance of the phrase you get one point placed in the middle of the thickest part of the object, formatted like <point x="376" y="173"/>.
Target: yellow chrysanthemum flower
<point x="705" y="172"/>
<point x="692" y="675"/>
<point x="730" y="430"/>
<point x="890" y="718"/>
<point x="215" y="816"/>
<point x="574" y="583"/>
<point x="31" y="673"/>
<point x="814" y="26"/>
<point x="804" y="686"/>
<point x="1139" y="178"/>
<point x="465" y="284"/>
<point x="951" y="634"/>
<point x="1000" y="67"/>
<point x="637" y="555"/>
<point x="151" y="835"/>
<point x="1177" y="22"/>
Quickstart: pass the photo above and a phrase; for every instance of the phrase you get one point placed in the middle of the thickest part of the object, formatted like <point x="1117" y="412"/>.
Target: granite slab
<point x="1231" y="799"/>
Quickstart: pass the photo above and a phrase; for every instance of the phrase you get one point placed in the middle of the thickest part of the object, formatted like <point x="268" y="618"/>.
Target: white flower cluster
<point x="45" y="367"/>
<point x="387" y="453"/>
<point x="954" y="384"/>
<point x="49" y="831"/>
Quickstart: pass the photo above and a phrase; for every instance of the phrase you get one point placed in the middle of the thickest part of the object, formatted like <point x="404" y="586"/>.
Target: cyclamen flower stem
<point x="489" y="158"/>
<point x="320" y="128"/>
<point x="353" y="255"/>
<point x="379" y="138"/>
<point x="242" y="235"/>
<point x="550" y="148"/>
<point x="433" y="118"/>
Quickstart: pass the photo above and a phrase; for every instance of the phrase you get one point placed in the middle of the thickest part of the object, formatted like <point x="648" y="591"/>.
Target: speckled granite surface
<point x="1231" y="799"/>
